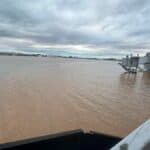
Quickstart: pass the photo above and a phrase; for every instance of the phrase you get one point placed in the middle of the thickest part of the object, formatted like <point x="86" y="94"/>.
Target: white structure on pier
<point x="145" y="61"/>
<point x="130" y="64"/>
<point x="134" y="63"/>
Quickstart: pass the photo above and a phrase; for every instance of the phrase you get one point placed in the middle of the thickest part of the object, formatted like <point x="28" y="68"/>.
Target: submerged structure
<point x="135" y="63"/>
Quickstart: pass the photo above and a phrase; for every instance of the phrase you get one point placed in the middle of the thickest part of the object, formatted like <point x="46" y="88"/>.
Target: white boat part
<point x="139" y="139"/>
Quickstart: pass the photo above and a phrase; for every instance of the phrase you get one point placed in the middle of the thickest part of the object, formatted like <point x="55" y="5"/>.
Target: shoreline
<point x="55" y="56"/>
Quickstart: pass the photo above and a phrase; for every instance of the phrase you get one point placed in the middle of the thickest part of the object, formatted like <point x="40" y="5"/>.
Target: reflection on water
<point x="146" y="78"/>
<point x="125" y="78"/>
<point x="40" y="96"/>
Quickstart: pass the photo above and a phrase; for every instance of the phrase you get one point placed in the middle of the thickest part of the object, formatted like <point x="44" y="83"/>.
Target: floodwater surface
<point x="41" y="95"/>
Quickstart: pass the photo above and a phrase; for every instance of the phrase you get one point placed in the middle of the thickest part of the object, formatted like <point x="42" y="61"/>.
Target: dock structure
<point x="145" y="61"/>
<point x="130" y="64"/>
<point x="133" y="64"/>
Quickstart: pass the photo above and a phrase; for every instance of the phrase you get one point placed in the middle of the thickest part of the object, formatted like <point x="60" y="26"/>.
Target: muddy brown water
<point x="40" y="96"/>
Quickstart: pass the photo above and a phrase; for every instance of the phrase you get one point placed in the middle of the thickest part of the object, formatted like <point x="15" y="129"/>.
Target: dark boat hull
<point x="71" y="140"/>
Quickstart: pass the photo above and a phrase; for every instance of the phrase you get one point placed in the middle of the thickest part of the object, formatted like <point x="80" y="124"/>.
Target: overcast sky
<point x="92" y="27"/>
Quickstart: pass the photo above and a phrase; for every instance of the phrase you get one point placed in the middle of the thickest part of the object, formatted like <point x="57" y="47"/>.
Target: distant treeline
<point x="44" y="55"/>
<point x="19" y="54"/>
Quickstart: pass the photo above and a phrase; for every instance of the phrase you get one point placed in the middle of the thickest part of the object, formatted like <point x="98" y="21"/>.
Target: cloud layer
<point x="97" y="27"/>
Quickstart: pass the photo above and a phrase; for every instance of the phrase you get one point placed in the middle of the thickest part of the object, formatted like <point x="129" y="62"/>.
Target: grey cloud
<point x="115" y="26"/>
<point x="132" y="6"/>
